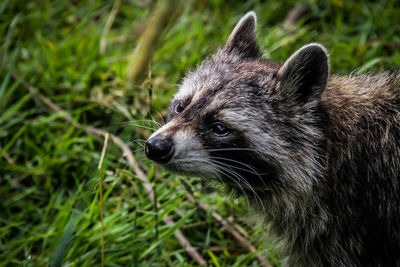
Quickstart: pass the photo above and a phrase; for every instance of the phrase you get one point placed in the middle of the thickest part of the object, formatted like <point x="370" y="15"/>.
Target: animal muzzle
<point x="159" y="150"/>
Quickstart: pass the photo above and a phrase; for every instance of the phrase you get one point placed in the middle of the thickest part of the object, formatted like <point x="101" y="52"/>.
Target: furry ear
<point x="242" y="40"/>
<point x="306" y="72"/>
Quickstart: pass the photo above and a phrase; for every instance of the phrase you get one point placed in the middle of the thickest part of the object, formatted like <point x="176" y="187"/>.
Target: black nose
<point x="159" y="150"/>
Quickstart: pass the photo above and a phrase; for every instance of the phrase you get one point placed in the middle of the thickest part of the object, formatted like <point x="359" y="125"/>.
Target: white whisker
<point x="230" y="149"/>
<point x="161" y="117"/>
<point x="139" y="142"/>
<point x="141" y="126"/>
<point x="159" y="125"/>
<point x="136" y="150"/>
<point x="228" y="175"/>
<point x="250" y="168"/>
<point x="240" y="178"/>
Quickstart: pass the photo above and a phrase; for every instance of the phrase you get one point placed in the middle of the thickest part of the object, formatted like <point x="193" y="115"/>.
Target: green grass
<point x="49" y="196"/>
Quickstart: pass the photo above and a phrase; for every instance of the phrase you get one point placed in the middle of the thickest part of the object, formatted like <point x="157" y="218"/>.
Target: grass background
<point x="49" y="181"/>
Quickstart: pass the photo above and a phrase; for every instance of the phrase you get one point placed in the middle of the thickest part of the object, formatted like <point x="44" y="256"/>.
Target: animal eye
<point x="179" y="108"/>
<point x="220" y="130"/>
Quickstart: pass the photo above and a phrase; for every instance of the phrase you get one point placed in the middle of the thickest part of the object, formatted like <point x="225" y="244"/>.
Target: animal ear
<point x="306" y="72"/>
<point x="242" y="40"/>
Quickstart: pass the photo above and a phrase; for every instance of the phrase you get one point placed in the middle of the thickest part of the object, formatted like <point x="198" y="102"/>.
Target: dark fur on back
<point x="318" y="155"/>
<point x="362" y="153"/>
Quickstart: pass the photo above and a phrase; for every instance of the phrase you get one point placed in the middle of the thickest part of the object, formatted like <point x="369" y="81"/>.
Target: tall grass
<point x="49" y="180"/>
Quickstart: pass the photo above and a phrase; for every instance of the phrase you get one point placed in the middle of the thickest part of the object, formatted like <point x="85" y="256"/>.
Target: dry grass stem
<point x="107" y="27"/>
<point x="141" y="57"/>
<point x="103" y="153"/>
<point x="131" y="161"/>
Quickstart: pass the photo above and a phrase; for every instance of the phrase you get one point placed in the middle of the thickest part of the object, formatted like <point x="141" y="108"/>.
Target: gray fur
<point x="317" y="155"/>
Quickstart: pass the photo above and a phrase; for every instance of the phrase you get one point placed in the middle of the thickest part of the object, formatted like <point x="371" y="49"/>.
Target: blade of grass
<point x="103" y="153"/>
<point x="131" y="161"/>
<point x="143" y="52"/>
<point x="107" y="27"/>
<point x="64" y="243"/>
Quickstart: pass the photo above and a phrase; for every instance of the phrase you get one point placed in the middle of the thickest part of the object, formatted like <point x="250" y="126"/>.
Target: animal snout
<point x="159" y="150"/>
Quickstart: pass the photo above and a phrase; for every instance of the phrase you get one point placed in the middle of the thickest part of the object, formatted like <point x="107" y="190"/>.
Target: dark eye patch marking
<point x="179" y="108"/>
<point x="176" y="108"/>
<point x="220" y="130"/>
<point x="236" y="160"/>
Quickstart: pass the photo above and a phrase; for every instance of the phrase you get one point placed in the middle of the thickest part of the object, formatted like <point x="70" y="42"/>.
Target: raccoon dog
<point x="317" y="155"/>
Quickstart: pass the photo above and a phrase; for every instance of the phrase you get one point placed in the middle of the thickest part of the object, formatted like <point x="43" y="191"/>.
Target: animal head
<point x="248" y="122"/>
